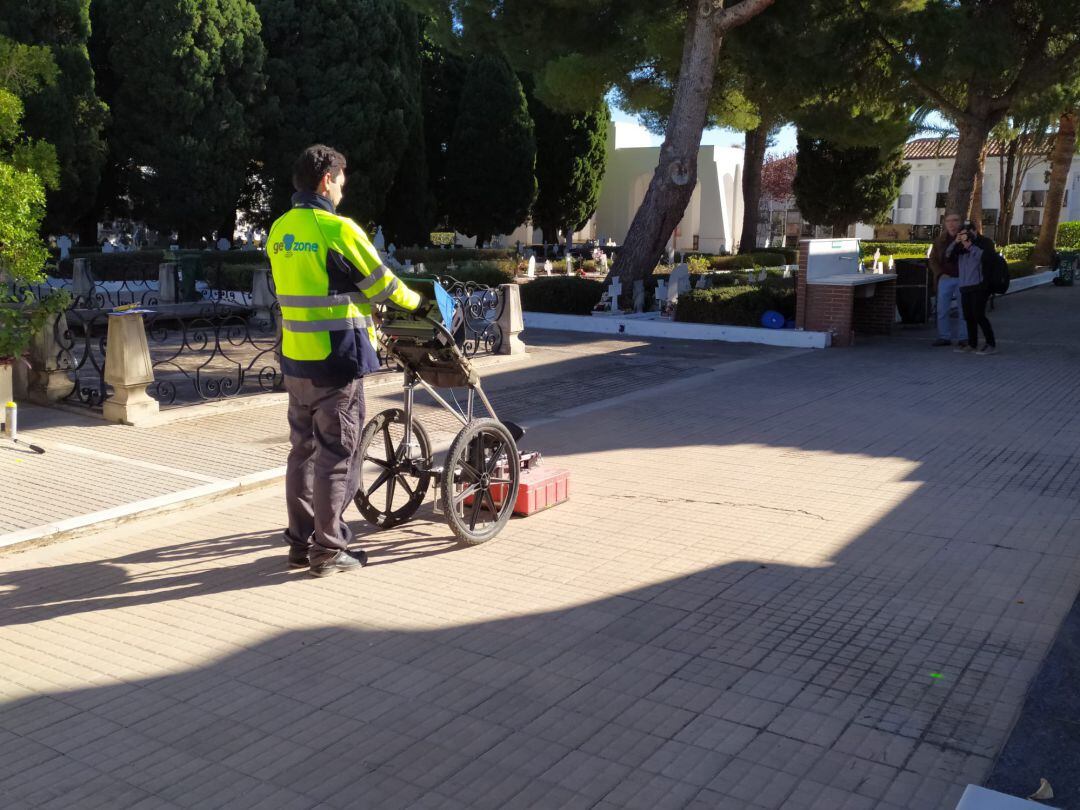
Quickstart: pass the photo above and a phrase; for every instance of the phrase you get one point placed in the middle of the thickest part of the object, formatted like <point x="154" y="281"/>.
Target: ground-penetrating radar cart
<point x="478" y="481"/>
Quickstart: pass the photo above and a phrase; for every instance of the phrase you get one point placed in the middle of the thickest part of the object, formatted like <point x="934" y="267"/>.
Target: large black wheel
<point x="480" y="481"/>
<point x="394" y="478"/>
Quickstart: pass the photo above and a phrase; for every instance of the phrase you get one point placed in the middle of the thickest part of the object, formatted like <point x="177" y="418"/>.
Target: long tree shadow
<point x="886" y="675"/>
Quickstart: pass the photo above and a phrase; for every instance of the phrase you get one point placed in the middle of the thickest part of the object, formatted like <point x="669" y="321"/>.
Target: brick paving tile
<point x="823" y="581"/>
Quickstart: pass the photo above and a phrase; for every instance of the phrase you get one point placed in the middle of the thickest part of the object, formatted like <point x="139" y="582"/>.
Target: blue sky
<point x="785" y="141"/>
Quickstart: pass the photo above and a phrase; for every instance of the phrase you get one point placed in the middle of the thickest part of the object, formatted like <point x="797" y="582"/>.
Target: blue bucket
<point x="772" y="319"/>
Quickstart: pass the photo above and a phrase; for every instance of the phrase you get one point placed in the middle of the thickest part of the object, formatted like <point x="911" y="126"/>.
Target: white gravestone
<point x="64" y="243"/>
<point x="603" y="263"/>
<point x="680" y="279"/>
<point x="702" y="283"/>
<point x="548" y="266"/>
<point x="379" y="241"/>
<point x="764" y="274"/>
<point x="661" y="294"/>
<point x="569" y="265"/>
<point x="614" y="291"/>
<point x="530" y="271"/>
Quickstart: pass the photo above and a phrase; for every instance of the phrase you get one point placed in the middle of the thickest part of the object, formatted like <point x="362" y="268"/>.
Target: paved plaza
<point x="784" y="579"/>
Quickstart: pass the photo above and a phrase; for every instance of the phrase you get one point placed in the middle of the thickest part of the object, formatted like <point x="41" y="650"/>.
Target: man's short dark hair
<point x="313" y="163"/>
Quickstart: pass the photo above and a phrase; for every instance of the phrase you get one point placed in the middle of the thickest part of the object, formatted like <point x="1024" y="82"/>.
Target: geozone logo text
<point x="289" y="244"/>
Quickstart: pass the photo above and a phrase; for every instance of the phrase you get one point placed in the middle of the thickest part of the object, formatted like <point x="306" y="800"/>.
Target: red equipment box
<point x="539" y="488"/>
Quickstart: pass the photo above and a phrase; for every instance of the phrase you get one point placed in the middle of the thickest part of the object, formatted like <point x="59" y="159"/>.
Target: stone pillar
<point x="7" y="380"/>
<point x="48" y="382"/>
<point x="262" y="296"/>
<point x="82" y="283"/>
<point x="128" y="369"/>
<point x="511" y="322"/>
<point x="167" y="283"/>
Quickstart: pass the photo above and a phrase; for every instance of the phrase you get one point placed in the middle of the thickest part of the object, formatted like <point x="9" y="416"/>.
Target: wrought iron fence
<point x="222" y="352"/>
<point x="217" y="348"/>
<point x="476" y="316"/>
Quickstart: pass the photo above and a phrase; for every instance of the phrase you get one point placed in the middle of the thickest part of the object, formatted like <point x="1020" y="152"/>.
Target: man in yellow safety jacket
<point x="327" y="274"/>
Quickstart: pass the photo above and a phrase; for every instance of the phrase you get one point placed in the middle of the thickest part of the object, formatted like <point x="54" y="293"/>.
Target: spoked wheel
<point x="480" y="482"/>
<point x="394" y="478"/>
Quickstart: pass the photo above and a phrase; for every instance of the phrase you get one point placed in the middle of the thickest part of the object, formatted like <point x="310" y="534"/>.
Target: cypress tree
<point x="67" y="113"/>
<point x="571" y="157"/>
<point x="838" y="186"/>
<point x="490" y="180"/>
<point x="344" y="73"/>
<point x="188" y="78"/>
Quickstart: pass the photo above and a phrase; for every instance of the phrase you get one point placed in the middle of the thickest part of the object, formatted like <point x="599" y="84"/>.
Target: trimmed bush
<point x="734" y="306"/>
<point x="566" y="295"/>
<point x="1068" y="236"/>
<point x="898" y="250"/>
<point x="458" y="255"/>
<point x="490" y="274"/>
<point x="1020" y="252"/>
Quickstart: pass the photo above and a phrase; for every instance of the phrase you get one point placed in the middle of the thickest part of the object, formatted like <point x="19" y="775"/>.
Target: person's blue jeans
<point x="949" y="290"/>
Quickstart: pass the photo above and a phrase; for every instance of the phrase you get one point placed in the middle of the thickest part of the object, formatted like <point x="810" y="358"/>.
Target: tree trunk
<point x="974" y="130"/>
<point x="757" y="141"/>
<point x="675" y="177"/>
<point x="1060" y="163"/>
<point x="1008" y="176"/>
<point x="569" y="237"/>
<point x="977" y="192"/>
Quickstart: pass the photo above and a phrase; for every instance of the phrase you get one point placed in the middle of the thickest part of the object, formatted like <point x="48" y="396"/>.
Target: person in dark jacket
<point x="973" y="253"/>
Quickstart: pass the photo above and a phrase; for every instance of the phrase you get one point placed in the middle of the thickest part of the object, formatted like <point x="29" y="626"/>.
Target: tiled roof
<point x="943" y="149"/>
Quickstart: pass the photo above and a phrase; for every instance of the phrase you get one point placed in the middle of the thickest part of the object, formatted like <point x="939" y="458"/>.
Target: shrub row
<point x="898" y="250"/>
<point x="735" y="306"/>
<point x="446" y="255"/>
<point x="565" y="295"/>
<point x="1019" y="252"/>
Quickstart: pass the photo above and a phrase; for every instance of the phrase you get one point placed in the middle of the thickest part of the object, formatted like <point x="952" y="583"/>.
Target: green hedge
<point x="898" y="250"/>
<point x="734" y="306"/>
<point x="1068" y="236"/>
<point x="458" y="255"/>
<point x="566" y="295"/>
<point x="491" y="274"/>
<point x="1020" y="252"/>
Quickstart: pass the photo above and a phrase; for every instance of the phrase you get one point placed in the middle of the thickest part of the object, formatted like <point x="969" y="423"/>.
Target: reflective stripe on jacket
<point x="327" y="273"/>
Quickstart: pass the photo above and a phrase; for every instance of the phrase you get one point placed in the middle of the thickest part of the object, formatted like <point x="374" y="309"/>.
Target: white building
<point x="921" y="204"/>
<point x="713" y="219"/>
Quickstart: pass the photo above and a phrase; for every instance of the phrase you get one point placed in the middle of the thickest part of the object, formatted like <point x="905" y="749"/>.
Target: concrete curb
<point x="635" y="326"/>
<point x="1028" y="282"/>
<point x="108" y="518"/>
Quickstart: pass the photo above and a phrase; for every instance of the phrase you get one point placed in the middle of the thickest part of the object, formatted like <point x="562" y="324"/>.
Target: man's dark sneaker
<point x="941" y="342"/>
<point x="298" y="559"/>
<point x="342" y="561"/>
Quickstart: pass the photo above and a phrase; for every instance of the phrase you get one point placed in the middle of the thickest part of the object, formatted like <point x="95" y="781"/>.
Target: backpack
<point x="996" y="274"/>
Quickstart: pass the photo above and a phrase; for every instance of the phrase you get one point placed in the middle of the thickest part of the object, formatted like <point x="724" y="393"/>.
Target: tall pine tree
<point x="442" y="75"/>
<point x="571" y="158"/>
<point x="837" y="186"/>
<point x="188" y="79"/>
<point x="344" y="73"/>
<point x="67" y="113"/>
<point x="490" y="180"/>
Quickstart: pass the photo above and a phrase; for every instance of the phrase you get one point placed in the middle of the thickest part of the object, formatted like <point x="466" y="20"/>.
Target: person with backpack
<point x="979" y="266"/>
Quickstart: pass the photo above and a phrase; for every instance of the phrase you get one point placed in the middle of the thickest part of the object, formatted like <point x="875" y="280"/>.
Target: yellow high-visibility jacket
<point x="327" y="274"/>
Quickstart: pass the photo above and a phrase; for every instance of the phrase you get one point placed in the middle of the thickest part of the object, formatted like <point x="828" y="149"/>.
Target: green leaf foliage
<point x="735" y="306"/>
<point x="1068" y="236"/>
<point x="838" y="186"/>
<point x="566" y="295"/>
<point x="571" y="158"/>
<point x="67" y="111"/>
<point x="490" y="182"/>
<point x="188" y="78"/>
<point x="442" y="75"/>
<point x="27" y="166"/>
<point x="344" y="73"/>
